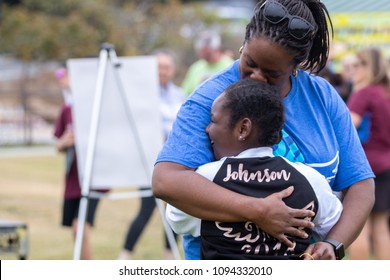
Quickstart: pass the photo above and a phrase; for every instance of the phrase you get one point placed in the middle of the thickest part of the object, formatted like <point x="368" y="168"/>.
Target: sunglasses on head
<point x="298" y="27"/>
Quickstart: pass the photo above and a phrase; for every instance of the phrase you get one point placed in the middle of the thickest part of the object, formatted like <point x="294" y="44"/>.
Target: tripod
<point x="107" y="53"/>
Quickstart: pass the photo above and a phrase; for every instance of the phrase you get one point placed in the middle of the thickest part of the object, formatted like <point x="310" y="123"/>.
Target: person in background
<point x="343" y="87"/>
<point x="172" y="97"/>
<point x="229" y="53"/>
<point x="284" y="41"/>
<point x="212" y="59"/>
<point x="246" y="121"/>
<point x="349" y="63"/>
<point x="61" y="75"/>
<point x="341" y="84"/>
<point x="65" y="142"/>
<point x="373" y="98"/>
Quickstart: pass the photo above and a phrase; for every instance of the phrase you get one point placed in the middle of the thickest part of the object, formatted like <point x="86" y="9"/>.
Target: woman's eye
<point x="251" y="64"/>
<point x="274" y="75"/>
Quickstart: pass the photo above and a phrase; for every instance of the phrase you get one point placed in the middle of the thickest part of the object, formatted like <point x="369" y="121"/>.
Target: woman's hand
<point x="319" y="251"/>
<point x="279" y="220"/>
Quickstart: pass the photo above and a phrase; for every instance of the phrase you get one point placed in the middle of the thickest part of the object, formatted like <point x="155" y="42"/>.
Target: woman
<point x="372" y="99"/>
<point x="282" y="36"/>
<point x="65" y="143"/>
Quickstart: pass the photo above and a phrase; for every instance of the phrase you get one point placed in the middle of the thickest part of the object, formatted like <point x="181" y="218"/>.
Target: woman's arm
<point x="358" y="202"/>
<point x="66" y="140"/>
<point x="356" y="119"/>
<point x="183" y="188"/>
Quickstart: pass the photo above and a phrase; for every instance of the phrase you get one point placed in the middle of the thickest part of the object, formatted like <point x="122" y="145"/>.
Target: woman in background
<point x="372" y="99"/>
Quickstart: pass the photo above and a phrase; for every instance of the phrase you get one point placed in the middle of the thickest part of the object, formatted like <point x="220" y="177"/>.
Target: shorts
<point x="382" y="192"/>
<point x="71" y="210"/>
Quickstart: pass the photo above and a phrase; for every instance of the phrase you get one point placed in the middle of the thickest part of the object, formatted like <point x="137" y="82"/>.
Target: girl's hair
<point x="377" y="66"/>
<point x="261" y="103"/>
<point x="312" y="51"/>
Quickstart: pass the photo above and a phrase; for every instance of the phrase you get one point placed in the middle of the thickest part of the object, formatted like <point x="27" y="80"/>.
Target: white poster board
<point x="118" y="156"/>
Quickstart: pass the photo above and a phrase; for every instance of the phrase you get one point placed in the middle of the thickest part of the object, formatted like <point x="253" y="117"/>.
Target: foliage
<point x="47" y="30"/>
<point x="55" y="29"/>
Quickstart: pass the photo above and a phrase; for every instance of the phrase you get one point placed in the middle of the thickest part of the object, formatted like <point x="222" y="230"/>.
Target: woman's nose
<point x="258" y="75"/>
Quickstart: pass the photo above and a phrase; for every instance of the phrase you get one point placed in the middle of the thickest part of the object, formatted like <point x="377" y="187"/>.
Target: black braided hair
<point x="261" y="103"/>
<point x="311" y="53"/>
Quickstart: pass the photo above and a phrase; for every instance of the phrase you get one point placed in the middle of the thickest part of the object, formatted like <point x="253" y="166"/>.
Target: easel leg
<point x="168" y="230"/>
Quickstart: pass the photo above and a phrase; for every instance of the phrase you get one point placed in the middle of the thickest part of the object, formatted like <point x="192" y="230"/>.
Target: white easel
<point x="107" y="53"/>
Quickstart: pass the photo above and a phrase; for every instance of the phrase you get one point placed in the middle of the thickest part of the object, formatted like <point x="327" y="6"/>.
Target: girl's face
<point x="268" y="62"/>
<point x="223" y="138"/>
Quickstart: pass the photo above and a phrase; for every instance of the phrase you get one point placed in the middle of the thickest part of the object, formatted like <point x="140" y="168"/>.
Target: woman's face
<point x="360" y="77"/>
<point x="223" y="139"/>
<point x="268" y="62"/>
<point x="349" y="64"/>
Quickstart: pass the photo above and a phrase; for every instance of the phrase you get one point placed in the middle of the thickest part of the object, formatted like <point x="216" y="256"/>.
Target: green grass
<point x="31" y="191"/>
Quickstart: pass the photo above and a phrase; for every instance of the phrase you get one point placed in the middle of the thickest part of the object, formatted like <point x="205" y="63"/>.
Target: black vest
<point x="256" y="177"/>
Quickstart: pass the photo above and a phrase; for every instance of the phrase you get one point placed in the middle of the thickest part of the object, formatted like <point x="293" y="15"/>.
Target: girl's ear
<point x="244" y="129"/>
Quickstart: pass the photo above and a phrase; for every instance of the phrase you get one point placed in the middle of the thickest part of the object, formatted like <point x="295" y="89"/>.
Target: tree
<point x="46" y="30"/>
<point x="55" y="29"/>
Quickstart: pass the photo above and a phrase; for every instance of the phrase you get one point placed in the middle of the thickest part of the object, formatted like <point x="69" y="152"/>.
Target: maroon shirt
<point x="375" y="100"/>
<point x="72" y="184"/>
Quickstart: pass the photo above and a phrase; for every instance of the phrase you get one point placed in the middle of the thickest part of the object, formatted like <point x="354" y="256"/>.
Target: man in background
<point x="212" y="59"/>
